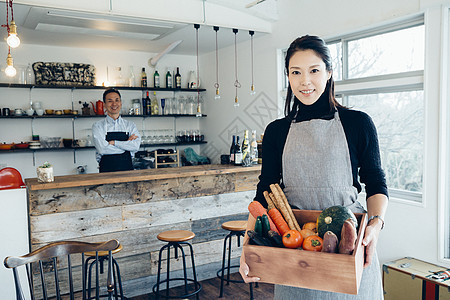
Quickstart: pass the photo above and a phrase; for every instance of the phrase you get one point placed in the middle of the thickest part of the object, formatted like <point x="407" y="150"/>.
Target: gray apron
<point x="317" y="174"/>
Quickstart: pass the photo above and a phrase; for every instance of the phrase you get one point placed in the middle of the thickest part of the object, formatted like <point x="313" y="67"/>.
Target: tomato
<point x="292" y="239"/>
<point x="313" y="243"/>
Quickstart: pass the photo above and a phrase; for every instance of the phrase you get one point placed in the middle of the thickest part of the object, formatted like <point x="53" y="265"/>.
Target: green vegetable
<point x="275" y="238"/>
<point x="259" y="226"/>
<point x="265" y="225"/>
<point x="332" y="219"/>
<point x="257" y="239"/>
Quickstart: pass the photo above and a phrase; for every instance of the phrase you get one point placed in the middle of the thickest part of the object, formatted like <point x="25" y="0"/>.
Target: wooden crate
<point x="332" y="272"/>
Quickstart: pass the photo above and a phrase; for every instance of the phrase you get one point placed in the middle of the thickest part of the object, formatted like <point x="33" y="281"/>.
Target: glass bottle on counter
<point x="178" y="79"/>
<point x="145" y="104"/>
<point x="143" y="78"/>
<point x="232" y="150"/>
<point x="131" y="78"/>
<point x="169" y="81"/>
<point x="29" y="75"/>
<point x="246" y="159"/>
<point x="156" y="83"/>
<point x="254" y="149"/>
<point x="237" y="153"/>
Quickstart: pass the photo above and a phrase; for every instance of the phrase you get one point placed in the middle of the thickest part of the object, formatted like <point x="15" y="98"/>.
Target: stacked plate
<point x="35" y="144"/>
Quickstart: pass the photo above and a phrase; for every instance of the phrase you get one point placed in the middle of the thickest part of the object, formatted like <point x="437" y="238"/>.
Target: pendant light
<point x="216" y="85"/>
<point x="199" y="111"/>
<point x="237" y="84"/>
<point x="252" y="87"/>
<point x="10" y="71"/>
<point x="13" y="40"/>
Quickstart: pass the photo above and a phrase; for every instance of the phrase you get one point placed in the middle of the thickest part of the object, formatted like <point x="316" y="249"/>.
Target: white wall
<point x="17" y="130"/>
<point x="410" y="230"/>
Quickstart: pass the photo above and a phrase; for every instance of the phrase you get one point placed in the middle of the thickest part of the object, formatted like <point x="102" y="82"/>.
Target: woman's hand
<point x="370" y="239"/>
<point x="243" y="270"/>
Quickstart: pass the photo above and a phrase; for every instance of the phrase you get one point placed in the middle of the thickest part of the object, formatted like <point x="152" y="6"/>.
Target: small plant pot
<point x="45" y="174"/>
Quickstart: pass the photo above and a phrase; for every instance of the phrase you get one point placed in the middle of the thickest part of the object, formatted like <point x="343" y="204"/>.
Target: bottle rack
<point x="176" y="161"/>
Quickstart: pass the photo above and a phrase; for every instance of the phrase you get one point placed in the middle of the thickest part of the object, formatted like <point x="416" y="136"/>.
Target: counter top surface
<point x="135" y="175"/>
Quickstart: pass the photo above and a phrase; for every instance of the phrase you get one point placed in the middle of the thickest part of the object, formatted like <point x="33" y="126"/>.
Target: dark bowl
<point x="68" y="143"/>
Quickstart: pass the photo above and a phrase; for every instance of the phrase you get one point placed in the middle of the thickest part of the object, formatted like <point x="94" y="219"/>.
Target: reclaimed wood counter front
<point x="134" y="206"/>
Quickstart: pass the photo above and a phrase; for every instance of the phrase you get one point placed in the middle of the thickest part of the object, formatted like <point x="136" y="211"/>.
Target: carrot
<point x="256" y="209"/>
<point x="279" y="221"/>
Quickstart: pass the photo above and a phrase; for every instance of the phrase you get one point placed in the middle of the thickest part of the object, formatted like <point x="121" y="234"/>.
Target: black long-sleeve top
<point x="362" y="143"/>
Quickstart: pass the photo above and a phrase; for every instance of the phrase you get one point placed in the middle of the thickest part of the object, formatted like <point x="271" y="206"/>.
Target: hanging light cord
<point x="216" y="85"/>
<point x="251" y="34"/>
<point x="197" y="26"/>
<point x="237" y="84"/>
<point x="7" y="16"/>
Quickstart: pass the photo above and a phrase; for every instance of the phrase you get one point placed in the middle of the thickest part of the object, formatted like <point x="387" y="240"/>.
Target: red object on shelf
<point x="10" y="178"/>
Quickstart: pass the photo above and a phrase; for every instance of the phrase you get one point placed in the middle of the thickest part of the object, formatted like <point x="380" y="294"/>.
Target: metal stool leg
<point x="223" y="264"/>
<point x="197" y="286"/>
<point x="119" y="279"/>
<point x="158" y="277"/>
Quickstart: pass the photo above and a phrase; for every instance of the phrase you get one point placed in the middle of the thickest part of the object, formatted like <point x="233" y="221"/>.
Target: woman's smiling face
<point x="308" y="76"/>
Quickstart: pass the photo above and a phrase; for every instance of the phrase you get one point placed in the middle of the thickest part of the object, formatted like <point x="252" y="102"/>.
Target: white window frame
<point x="397" y="82"/>
<point x="444" y="143"/>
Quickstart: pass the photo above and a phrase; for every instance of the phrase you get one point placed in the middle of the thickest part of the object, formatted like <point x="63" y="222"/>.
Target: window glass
<point x="399" y="119"/>
<point x="336" y="54"/>
<point x="388" y="53"/>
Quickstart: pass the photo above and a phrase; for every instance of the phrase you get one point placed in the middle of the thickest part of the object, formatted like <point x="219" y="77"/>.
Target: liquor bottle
<point x="131" y="78"/>
<point x="144" y="105"/>
<point x="237" y="153"/>
<point x="246" y="159"/>
<point x="254" y="149"/>
<point x="143" y="78"/>
<point x="178" y="79"/>
<point x="155" y="106"/>
<point x="169" y="81"/>
<point x="156" y="79"/>
<point x="260" y="149"/>
<point x="232" y="149"/>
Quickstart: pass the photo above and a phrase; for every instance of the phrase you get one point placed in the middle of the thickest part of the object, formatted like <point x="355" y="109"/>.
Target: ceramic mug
<point x="82" y="143"/>
<point x="6" y="112"/>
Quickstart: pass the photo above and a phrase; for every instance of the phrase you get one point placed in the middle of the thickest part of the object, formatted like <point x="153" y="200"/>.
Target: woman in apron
<point x="116" y="140"/>
<point x="316" y="154"/>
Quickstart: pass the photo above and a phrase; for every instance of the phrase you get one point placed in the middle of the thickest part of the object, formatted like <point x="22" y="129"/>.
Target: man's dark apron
<point x="116" y="162"/>
<point x="317" y="174"/>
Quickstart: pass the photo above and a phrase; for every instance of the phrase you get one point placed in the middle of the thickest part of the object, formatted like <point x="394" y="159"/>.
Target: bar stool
<point x="176" y="239"/>
<point x="237" y="229"/>
<point x="103" y="256"/>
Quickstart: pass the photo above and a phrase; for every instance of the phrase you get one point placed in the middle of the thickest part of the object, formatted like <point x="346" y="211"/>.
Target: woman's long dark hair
<point x="309" y="42"/>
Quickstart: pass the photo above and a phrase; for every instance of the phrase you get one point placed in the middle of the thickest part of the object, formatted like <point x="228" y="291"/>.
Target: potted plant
<point x="45" y="173"/>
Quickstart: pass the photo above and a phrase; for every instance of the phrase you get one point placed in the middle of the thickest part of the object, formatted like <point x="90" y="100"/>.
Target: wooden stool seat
<point x="104" y="253"/>
<point x="235" y="225"/>
<point x="176" y="236"/>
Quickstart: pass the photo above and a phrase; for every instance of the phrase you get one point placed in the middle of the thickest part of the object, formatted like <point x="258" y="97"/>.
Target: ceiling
<point x="56" y="27"/>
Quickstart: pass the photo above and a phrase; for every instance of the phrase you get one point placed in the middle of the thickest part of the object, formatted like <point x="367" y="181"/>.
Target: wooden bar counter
<point x="134" y="206"/>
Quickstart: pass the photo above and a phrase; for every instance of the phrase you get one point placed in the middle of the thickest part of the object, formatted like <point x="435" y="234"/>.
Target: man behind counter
<point x="116" y="140"/>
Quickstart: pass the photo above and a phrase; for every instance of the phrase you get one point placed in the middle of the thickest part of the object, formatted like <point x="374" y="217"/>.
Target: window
<point x="381" y="73"/>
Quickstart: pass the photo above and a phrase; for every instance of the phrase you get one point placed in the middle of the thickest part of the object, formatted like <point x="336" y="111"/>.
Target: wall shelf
<point x="96" y="116"/>
<point x="31" y="86"/>
<point x="92" y="147"/>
